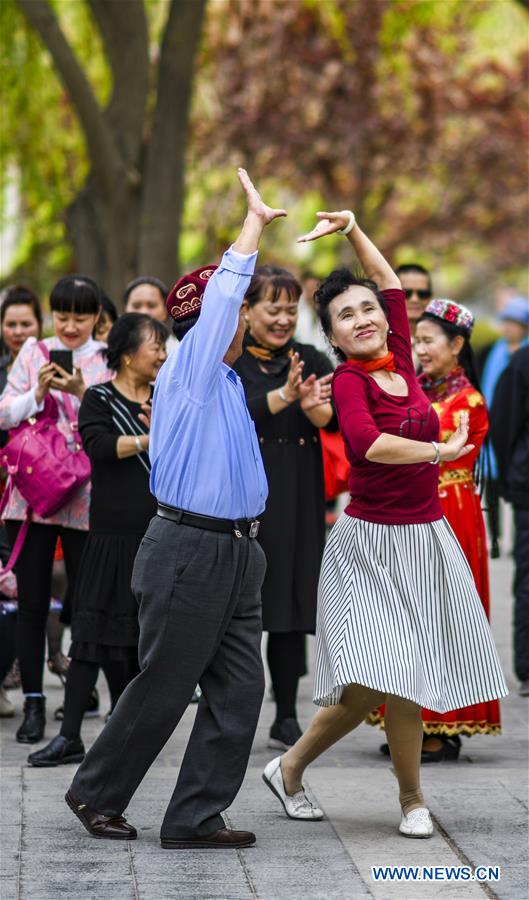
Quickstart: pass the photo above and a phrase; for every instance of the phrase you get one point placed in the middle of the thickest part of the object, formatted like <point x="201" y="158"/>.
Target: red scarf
<point x="373" y="365"/>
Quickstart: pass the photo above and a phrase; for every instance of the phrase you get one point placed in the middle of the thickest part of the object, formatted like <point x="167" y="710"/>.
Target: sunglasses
<point x="424" y="294"/>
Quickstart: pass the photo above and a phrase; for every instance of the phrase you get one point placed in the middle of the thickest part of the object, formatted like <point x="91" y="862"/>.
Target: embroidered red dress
<point x="461" y="505"/>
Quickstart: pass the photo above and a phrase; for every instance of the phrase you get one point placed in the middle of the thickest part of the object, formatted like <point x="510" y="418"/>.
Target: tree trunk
<point x="126" y="219"/>
<point x="102" y="237"/>
<point x="163" y="192"/>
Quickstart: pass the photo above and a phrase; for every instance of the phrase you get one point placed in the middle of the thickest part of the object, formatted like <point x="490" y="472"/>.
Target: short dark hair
<point x="146" y="279"/>
<point x="76" y="293"/>
<point x="180" y="327"/>
<point x="21" y="295"/>
<point x="414" y="267"/>
<point x="128" y="333"/>
<point x="277" y="279"/>
<point x="336" y="283"/>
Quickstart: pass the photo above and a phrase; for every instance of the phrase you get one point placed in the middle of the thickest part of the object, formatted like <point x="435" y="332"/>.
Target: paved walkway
<point x="479" y="804"/>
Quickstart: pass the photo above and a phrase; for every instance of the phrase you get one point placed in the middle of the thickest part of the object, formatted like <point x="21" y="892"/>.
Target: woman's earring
<point x="390" y="331"/>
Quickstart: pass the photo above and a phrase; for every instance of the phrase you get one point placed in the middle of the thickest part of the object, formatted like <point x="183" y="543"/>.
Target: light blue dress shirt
<point x="203" y="446"/>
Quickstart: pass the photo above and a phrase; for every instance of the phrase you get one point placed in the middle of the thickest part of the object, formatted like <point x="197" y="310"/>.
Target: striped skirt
<point x="398" y="612"/>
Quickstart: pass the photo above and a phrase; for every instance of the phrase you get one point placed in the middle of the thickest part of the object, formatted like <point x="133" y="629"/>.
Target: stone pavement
<point x="479" y="804"/>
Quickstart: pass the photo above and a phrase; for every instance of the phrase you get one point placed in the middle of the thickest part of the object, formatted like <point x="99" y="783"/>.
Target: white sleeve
<point x="20" y="407"/>
<point x="18" y="398"/>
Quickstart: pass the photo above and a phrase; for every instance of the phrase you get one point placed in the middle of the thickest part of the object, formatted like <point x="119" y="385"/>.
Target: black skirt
<point x="292" y="529"/>
<point x="292" y="534"/>
<point x="105" y="612"/>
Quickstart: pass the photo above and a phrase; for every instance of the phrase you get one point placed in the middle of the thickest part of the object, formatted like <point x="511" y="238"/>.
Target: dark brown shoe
<point x="223" y="839"/>
<point x="114" y="828"/>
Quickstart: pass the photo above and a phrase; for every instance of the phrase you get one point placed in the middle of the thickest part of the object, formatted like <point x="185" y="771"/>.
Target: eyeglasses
<point x="423" y="294"/>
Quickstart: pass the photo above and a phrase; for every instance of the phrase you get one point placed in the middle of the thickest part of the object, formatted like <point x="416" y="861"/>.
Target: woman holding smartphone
<point x="75" y="304"/>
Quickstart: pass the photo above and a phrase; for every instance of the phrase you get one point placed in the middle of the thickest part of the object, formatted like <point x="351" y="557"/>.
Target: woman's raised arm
<point x="370" y="258"/>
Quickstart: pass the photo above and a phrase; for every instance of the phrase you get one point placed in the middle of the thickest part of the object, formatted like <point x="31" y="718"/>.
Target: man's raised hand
<point x="253" y="198"/>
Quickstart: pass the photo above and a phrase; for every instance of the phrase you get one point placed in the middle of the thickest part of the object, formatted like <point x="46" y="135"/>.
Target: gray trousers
<point x="521" y="593"/>
<point x="200" y="623"/>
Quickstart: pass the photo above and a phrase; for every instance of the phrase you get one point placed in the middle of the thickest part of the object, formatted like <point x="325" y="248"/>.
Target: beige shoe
<point x="7" y="710"/>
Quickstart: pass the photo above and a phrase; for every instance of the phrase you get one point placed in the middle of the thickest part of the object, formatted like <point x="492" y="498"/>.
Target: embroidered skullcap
<point x="454" y="313"/>
<point x="185" y="299"/>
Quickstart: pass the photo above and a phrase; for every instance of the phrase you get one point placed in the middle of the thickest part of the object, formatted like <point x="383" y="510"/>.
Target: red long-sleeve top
<point x="385" y="493"/>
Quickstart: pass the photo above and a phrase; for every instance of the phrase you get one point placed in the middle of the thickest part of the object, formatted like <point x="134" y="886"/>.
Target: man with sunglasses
<point x="417" y="285"/>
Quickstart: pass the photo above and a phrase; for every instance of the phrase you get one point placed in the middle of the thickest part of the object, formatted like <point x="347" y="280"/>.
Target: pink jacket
<point x="18" y="403"/>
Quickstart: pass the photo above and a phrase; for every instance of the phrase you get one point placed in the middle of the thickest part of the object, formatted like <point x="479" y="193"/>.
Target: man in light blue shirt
<point x="203" y="447"/>
<point x="197" y="575"/>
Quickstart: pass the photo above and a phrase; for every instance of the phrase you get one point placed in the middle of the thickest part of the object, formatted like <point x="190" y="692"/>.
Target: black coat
<point x="293" y="525"/>
<point x="509" y="430"/>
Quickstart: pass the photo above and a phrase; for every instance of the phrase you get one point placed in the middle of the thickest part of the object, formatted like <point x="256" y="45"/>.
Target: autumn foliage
<point x="382" y="106"/>
<point x="412" y="112"/>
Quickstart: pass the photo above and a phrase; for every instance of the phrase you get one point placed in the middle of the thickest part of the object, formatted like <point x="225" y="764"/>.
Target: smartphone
<point x="63" y="358"/>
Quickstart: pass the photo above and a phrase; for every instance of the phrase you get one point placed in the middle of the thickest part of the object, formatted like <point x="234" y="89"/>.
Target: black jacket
<point x="509" y="430"/>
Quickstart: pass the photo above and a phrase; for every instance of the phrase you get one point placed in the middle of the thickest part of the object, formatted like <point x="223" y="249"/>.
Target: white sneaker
<point x="417" y="824"/>
<point x="298" y="806"/>
<point x="7" y="710"/>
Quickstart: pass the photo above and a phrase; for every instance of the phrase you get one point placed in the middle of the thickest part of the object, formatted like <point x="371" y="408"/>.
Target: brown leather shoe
<point x="114" y="828"/>
<point x="223" y="839"/>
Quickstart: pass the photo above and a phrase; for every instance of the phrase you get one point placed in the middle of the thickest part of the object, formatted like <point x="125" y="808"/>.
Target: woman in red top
<point x="399" y="618"/>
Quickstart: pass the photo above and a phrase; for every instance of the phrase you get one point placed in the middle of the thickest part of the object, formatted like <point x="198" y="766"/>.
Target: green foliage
<point x="41" y="143"/>
<point x="391" y="107"/>
<point x="388" y="105"/>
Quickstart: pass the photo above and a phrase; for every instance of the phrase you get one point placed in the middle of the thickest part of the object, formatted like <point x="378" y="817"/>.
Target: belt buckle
<point x="254" y="528"/>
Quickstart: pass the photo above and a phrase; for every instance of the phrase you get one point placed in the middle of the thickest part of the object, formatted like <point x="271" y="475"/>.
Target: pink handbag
<point x="41" y="465"/>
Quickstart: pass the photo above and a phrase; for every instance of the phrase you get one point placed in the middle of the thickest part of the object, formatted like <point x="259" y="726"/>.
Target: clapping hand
<point x="330" y="223"/>
<point x="315" y="391"/>
<point x="295" y="378"/>
<point x="145" y="415"/>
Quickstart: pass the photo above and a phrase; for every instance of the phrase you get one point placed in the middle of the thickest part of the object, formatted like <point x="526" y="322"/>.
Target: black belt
<point x="301" y="441"/>
<point x="239" y="527"/>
